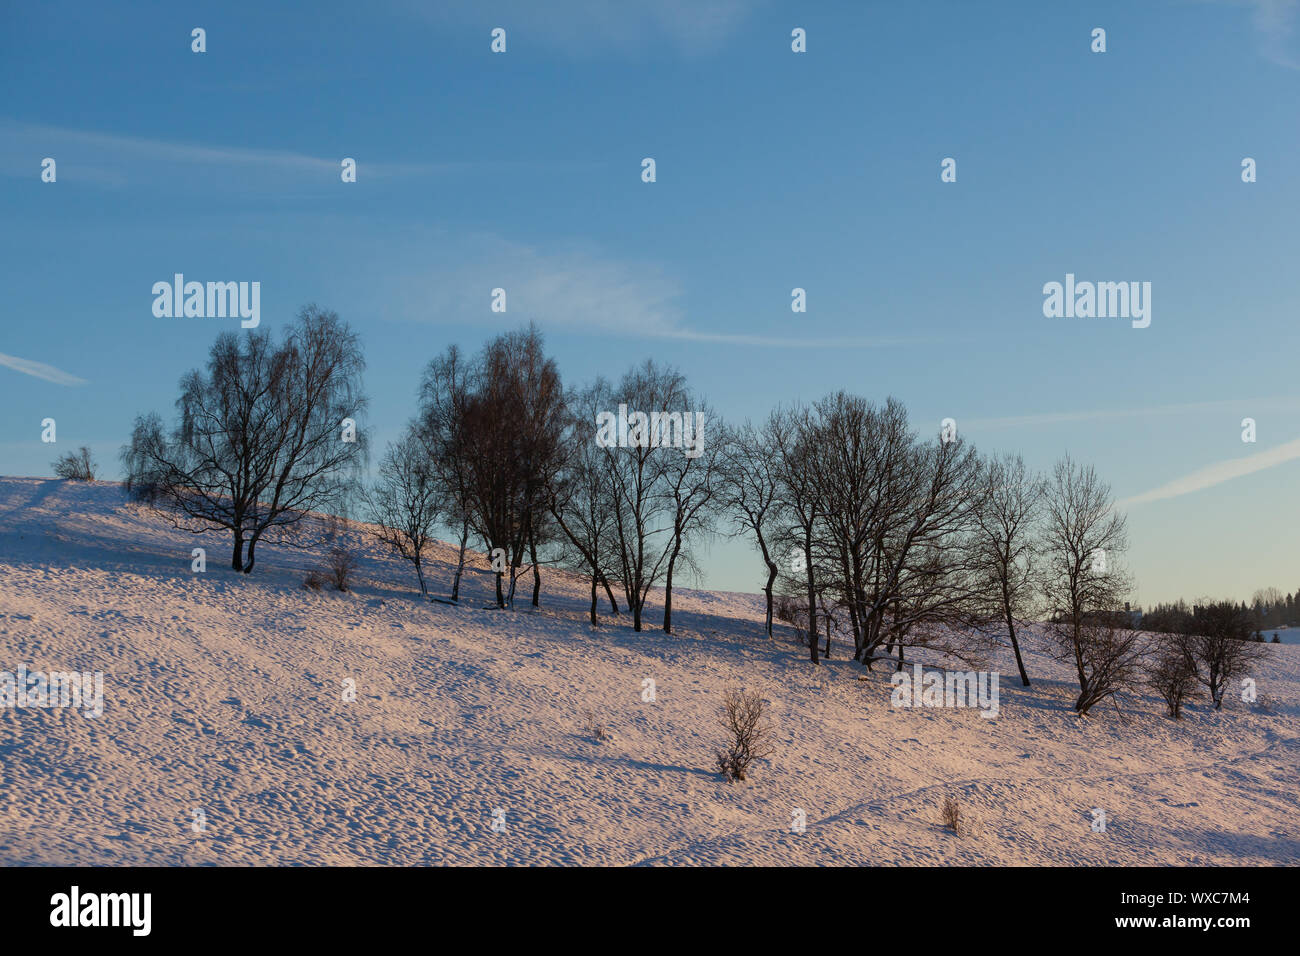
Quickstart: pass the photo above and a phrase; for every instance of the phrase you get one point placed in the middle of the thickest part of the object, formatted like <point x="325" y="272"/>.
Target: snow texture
<point x="225" y="693"/>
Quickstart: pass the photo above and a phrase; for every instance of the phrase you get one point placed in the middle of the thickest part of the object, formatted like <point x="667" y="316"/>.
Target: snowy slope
<point x="225" y="693"/>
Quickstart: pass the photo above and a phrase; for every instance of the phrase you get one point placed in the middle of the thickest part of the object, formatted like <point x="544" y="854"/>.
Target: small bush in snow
<point x="314" y="581"/>
<point x="951" y="815"/>
<point x="76" y="466"/>
<point x="342" y="563"/>
<point x="592" y="727"/>
<point x="747" y="733"/>
<point x="1266" y="704"/>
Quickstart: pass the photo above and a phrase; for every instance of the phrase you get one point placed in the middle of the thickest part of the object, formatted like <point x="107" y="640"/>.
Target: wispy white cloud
<point x="1138" y="411"/>
<point x="1217" y="474"/>
<point x="563" y="286"/>
<point x="1275" y="26"/>
<point x="1275" y="22"/>
<point x="110" y="158"/>
<point x="40" y="370"/>
<point x="439" y="276"/>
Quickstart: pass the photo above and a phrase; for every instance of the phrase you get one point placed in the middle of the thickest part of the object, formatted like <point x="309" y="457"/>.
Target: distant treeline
<point x="1269" y="608"/>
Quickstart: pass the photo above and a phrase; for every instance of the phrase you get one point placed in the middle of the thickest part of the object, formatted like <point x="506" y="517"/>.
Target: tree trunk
<point x="1077" y="630"/>
<point x="771" y="574"/>
<point x="237" y="562"/>
<point x="771" y="580"/>
<point x="859" y="629"/>
<point x="460" y="564"/>
<point x="609" y="593"/>
<point x="249" y="559"/>
<point x="668" y="593"/>
<point x="588" y="555"/>
<point x="594" y="622"/>
<point x="537" y="575"/>
<point x="812" y="594"/>
<point x="1015" y="646"/>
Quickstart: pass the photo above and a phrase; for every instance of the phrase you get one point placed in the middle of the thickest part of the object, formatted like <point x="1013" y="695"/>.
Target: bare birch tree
<point x="749" y="493"/>
<point x="1083" y="536"/>
<point x="266" y="435"/>
<point x="643" y="512"/>
<point x="580" y="496"/>
<point x="1005" y="538"/>
<point x="406" y="504"/>
<point x="1218" y="647"/>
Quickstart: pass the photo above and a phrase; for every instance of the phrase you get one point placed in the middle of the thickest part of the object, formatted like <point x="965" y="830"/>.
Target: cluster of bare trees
<point x="490" y="431"/>
<point x="502" y="455"/>
<point x="1211" y="648"/>
<point x="515" y="459"/>
<point x="498" y="452"/>
<point x="895" y="540"/>
<point x="879" y="524"/>
<point x="867" y="529"/>
<point x="901" y="541"/>
<point x="659" y="499"/>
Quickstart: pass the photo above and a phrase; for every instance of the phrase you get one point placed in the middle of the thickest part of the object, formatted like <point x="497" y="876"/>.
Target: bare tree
<point x="1171" y="673"/>
<point x="406" y="502"/>
<point x="895" y="519"/>
<point x="852" y="440"/>
<point x="748" y="734"/>
<point x="691" y="482"/>
<point x="1262" y="598"/>
<point x="1109" y="655"/>
<point x="928" y="583"/>
<point x="496" y="424"/>
<point x="444" y="396"/>
<point x="794" y="445"/>
<point x="1218" y="646"/>
<point x="267" y="435"/>
<point x="750" y="495"/>
<point x="1082" y="537"/>
<point x="580" y="496"/>
<point x="1005" y="529"/>
<point x="637" y="471"/>
<point x="75" y="466"/>
<point x="1269" y="605"/>
<point x="537" y="395"/>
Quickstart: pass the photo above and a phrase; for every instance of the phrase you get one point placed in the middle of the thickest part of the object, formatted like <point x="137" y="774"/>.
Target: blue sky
<point x="775" y="170"/>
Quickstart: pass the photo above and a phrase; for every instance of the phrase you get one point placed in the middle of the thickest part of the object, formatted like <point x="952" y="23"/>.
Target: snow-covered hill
<point x="225" y="694"/>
